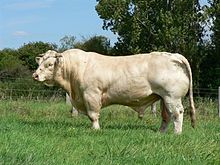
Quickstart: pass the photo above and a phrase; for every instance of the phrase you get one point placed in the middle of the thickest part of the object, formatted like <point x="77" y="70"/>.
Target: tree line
<point x="180" y="26"/>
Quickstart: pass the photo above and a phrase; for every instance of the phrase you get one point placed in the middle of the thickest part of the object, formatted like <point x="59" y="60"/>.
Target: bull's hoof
<point x="74" y="114"/>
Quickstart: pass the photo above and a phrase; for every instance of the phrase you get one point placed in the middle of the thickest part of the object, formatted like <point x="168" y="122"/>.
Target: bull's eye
<point x="50" y="64"/>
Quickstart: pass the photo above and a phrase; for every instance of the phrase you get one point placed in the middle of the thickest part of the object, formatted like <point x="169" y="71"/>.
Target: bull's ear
<point x="38" y="60"/>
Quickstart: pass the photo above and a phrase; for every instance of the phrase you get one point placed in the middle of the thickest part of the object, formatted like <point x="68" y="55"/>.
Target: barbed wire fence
<point x="15" y="88"/>
<point x="11" y="93"/>
<point x="28" y="89"/>
<point x="32" y="94"/>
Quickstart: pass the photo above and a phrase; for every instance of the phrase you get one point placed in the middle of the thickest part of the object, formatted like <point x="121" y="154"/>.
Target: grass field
<point x="37" y="132"/>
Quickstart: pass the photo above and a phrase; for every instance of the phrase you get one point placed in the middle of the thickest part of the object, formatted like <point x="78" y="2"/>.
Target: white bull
<point x="94" y="81"/>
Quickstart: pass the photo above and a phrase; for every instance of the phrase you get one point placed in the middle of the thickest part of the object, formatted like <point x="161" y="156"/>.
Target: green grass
<point x="44" y="133"/>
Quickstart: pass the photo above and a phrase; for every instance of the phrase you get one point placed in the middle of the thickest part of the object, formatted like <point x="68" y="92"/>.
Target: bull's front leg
<point x="93" y="109"/>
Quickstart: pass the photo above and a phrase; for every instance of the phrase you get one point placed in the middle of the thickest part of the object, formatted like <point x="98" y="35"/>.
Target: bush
<point x="10" y="65"/>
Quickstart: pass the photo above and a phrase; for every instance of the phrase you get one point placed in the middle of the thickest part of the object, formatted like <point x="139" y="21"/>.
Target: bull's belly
<point x="138" y="101"/>
<point x="130" y="97"/>
<point x="130" y="91"/>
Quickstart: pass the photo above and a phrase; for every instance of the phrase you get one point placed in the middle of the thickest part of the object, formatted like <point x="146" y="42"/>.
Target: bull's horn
<point x="38" y="60"/>
<point x="41" y="55"/>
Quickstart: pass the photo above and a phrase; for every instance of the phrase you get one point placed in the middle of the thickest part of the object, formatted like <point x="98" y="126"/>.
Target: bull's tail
<point x="193" y="110"/>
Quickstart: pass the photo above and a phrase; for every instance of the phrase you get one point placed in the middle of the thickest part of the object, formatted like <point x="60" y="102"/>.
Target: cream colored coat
<point x="94" y="81"/>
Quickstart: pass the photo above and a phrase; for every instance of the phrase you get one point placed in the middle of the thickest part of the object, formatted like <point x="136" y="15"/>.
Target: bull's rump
<point x="130" y="79"/>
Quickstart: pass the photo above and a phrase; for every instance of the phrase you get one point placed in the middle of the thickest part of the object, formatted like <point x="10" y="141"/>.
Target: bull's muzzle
<point x="35" y="76"/>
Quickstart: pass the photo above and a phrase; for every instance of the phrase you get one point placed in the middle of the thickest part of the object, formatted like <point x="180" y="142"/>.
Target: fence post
<point x="219" y="101"/>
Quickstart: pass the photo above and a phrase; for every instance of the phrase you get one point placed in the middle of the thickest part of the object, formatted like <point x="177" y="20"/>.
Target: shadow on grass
<point x="86" y="125"/>
<point x="131" y="126"/>
<point x="83" y="122"/>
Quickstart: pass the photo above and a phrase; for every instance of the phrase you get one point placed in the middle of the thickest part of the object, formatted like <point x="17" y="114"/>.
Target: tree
<point x="145" y="26"/>
<point x="216" y="41"/>
<point x="10" y="65"/>
<point x="28" y="52"/>
<point x="67" y="42"/>
<point x="211" y="64"/>
<point x="98" y="44"/>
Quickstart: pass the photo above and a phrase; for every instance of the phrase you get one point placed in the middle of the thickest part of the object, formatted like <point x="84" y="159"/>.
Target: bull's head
<point x="49" y="67"/>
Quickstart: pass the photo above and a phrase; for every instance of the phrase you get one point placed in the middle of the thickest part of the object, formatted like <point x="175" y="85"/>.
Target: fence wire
<point x="26" y="88"/>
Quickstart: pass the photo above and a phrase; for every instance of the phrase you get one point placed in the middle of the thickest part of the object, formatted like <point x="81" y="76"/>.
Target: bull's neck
<point x="69" y="77"/>
<point x="65" y="79"/>
<point x="63" y="83"/>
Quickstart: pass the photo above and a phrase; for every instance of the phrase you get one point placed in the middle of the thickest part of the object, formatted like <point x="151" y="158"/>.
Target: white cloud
<point x="24" y="5"/>
<point x="20" y="33"/>
<point x="19" y="21"/>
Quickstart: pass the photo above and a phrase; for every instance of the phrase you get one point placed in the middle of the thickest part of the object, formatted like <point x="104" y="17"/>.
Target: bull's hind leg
<point x="176" y="110"/>
<point x="165" y="117"/>
<point x="94" y="117"/>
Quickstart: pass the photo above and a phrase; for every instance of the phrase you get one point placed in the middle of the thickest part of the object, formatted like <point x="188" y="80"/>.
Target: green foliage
<point x="210" y="69"/>
<point x="216" y="42"/>
<point x="28" y="52"/>
<point x="145" y="26"/>
<point x="67" y="42"/>
<point x="44" y="133"/>
<point x="210" y="66"/>
<point x="11" y="65"/>
<point x="98" y="44"/>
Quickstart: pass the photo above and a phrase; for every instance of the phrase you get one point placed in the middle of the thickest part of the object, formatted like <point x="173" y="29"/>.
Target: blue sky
<point x="24" y="21"/>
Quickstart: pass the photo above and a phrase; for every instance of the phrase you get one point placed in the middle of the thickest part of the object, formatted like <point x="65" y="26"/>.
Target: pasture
<point x="40" y="132"/>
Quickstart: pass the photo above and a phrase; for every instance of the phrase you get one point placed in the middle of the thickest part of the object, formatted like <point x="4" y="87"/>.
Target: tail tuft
<point x="193" y="119"/>
<point x="193" y="110"/>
